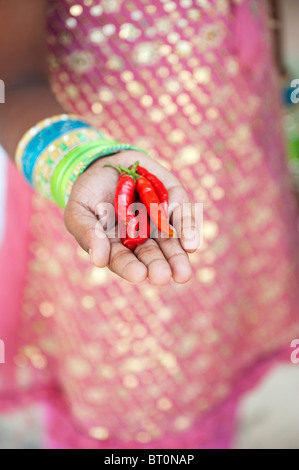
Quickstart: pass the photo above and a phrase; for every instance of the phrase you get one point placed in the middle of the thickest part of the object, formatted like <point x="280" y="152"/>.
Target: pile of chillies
<point x="136" y="184"/>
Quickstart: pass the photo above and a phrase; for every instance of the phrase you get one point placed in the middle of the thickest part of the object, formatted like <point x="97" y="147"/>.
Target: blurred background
<point x="268" y="416"/>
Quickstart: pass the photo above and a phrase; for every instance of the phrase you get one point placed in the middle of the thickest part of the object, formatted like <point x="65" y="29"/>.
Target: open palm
<point x="158" y="259"/>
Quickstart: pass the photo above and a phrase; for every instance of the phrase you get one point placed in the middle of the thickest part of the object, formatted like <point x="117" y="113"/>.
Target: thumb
<point x="83" y="224"/>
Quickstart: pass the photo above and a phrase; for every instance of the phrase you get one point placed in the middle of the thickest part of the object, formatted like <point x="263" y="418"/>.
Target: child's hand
<point x="157" y="259"/>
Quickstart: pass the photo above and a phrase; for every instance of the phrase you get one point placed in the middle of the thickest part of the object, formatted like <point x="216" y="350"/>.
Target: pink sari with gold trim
<point x="125" y="366"/>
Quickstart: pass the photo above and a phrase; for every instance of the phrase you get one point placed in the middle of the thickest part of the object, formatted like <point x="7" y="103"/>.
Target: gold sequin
<point x="217" y="193"/>
<point x="195" y="119"/>
<point x="135" y="88"/>
<point x="183" y="48"/>
<point x="72" y="91"/>
<point x="151" y="9"/>
<point x="173" y="58"/>
<point x="143" y="437"/>
<point x="78" y="367"/>
<point x="39" y="361"/>
<point x="46" y="309"/>
<point x="94" y="395"/>
<point x="173" y="37"/>
<point x="97" y="36"/>
<point x="130" y="381"/>
<point x="206" y="275"/>
<point x="182" y="423"/>
<point x="202" y="75"/>
<point x="97" y="108"/>
<point x="176" y="136"/>
<point x="146" y="53"/>
<point x="20" y="360"/>
<point x="186" y="3"/>
<point x="76" y="10"/>
<point x="80" y="62"/>
<point x="129" y="32"/>
<point x="88" y="302"/>
<point x="71" y="23"/>
<point x="127" y="76"/>
<point x="156" y="115"/>
<point x="189" y="109"/>
<point x="146" y="101"/>
<point x="99" y="433"/>
<point x="109" y="29"/>
<point x="183" y="99"/>
<point x="96" y="10"/>
<point x="189" y="154"/>
<point x="170" y="109"/>
<point x="212" y="113"/>
<point x="164" y="404"/>
<point x="115" y="63"/>
<point x="210" y="229"/>
<point x="172" y="86"/>
<point x="208" y="181"/>
<point x="105" y="95"/>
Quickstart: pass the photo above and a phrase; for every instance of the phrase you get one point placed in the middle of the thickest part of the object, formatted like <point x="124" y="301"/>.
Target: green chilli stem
<point x="134" y="167"/>
<point x="122" y="169"/>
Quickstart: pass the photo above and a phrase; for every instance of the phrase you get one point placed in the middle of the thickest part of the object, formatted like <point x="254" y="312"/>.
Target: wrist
<point x="54" y="153"/>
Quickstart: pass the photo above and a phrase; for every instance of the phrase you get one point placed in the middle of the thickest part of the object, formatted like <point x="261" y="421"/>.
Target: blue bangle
<point x="42" y="139"/>
<point x="51" y="147"/>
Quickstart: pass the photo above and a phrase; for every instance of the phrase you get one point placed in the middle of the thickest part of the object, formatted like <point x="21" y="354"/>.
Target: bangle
<point x="40" y="136"/>
<point x="81" y="163"/>
<point x="54" y="153"/>
<point x="76" y="155"/>
<point x="29" y="135"/>
<point x="57" y="150"/>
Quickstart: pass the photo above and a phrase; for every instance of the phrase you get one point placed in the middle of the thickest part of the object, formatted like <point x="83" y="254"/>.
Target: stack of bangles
<point x="54" y="152"/>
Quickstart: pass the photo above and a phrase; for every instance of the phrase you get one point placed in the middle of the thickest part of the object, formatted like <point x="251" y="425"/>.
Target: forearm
<point x="25" y="106"/>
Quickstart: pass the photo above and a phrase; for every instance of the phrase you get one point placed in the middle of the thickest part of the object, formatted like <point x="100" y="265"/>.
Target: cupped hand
<point x="158" y="259"/>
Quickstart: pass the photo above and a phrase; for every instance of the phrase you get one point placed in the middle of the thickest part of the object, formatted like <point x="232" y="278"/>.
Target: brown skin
<point x="29" y="99"/>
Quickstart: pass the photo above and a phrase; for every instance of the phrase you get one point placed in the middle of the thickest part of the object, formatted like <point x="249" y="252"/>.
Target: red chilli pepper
<point x="158" y="186"/>
<point x="132" y="243"/>
<point x="150" y="199"/>
<point x="129" y="181"/>
<point x="124" y="197"/>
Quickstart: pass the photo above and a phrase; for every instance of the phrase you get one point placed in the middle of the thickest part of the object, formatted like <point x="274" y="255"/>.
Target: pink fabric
<point x="216" y="430"/>
<point x="141" y="366"/>
<point x="250" y="48"/>
<point x="14" y="258"/>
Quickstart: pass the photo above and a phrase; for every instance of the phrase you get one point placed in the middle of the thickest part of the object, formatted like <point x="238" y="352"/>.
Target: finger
<point x="185" y="218"/>
<point x="124" y="263"/>
<point x="177" y="259"/>
<point x="88" y="231"/>
<point x="149" y="253"/>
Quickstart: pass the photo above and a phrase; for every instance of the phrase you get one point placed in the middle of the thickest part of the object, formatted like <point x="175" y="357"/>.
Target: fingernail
<point x="189" y="235"/>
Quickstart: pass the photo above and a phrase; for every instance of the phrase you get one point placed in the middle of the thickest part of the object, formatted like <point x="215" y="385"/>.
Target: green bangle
<point x="78" y="167"/>
<point x="77" y="161"/>
<point x="56" y="152"/>
<point x="74" y="155"/>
